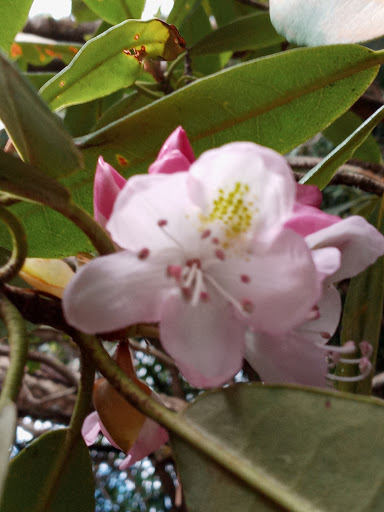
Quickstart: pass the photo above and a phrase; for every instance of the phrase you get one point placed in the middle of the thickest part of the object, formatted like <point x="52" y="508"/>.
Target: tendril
<point x="19" y="243"/>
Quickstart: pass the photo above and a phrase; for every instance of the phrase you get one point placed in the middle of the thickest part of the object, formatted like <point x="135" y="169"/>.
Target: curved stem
<point x="96" y="234"/>
<point x="254" y="477"/>
<point x="18" y="341"/>
<point x="73" y="435"/>
<point x="19" y="243"/>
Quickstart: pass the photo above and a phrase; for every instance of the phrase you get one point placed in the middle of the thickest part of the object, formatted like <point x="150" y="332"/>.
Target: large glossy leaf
<point x="339" y="130"/>
<point x="116" y="11"/>
<point x="363" y="309"/>
<point x="111" y="61"/>
<point x="322" y="173"/>
<point x="8" y="416"/>
<point x="37" y="134"/>
<point x="322" y="450"/>
<point x="13" y="15"/>
<point x="247" y="33"/>
<point x="29" y="470"/>
<point x="266" y="101"/>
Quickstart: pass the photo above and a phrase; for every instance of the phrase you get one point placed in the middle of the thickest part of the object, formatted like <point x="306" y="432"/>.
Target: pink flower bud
<point x="176" y="154"/>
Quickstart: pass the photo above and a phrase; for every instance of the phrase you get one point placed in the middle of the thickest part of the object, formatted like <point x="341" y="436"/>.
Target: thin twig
<point x="348" y="174"/>
<point x="49" y="361"/>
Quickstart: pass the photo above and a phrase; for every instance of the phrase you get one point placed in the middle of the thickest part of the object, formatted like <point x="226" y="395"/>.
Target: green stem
<point x="173" y="64"/>
<point x="18" y="342"/>
<point x="96" y="234"/>
<point x="144" y="90"/>
<point x="19" y="246"/>
<point x="262" y="482"/>
<point x="73" y="436"/>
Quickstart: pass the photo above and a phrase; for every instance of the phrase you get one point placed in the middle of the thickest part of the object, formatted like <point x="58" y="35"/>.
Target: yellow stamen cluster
<point x="233" y="210"/>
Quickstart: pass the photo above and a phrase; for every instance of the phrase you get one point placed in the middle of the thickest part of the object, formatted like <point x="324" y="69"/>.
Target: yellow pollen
<point x="234" y="209"/>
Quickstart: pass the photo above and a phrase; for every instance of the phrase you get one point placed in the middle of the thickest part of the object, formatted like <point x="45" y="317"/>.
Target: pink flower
<point x="230" y="250"/>
<point x="128" y="429"/>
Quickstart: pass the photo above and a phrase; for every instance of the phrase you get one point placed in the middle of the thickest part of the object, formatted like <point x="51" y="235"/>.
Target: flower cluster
<point x="229" y="256"/>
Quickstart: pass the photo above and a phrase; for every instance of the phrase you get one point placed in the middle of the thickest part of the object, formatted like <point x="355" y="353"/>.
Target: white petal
<point x="256" y="176"/>
<point x="112" y="292"/>
<point x="279" y="285"/>
<point x="154" y="211"/>
<point x="319" y="22"/>
<point x="295" y="358"/>
<point x="206" y="341"/>
<point x="359" y="242"/>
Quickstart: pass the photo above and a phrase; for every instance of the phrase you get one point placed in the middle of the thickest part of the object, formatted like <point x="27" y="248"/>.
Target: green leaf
<point x="307" y="445"/>
<point x="248" y="33"/>
<point x="363" y="310"/>
<point x="324" y="171"/>
<point x="29" y="470"/>
<point x="111" y="61"/>
<point x="14" y="14"/>
<point x="125" y="106"/>
<point x="37" y="80"/>
<point x="39" y="53"/>
<point x="37" y="134"/>
<point x="116" y="11"/>
<point x="340" y="129"/>
<point x="236" y="104"/>
<point x="8" y="416"/>
<point x="81" y="12"/>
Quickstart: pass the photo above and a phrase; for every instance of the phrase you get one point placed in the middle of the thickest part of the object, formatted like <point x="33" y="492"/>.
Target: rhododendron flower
<point x="217" y="252"/>
<point x="123" y="425"/>
<point x="314" y="22"/>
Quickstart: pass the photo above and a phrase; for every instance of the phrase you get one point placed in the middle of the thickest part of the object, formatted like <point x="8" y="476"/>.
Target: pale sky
<point x="63" y="8"/>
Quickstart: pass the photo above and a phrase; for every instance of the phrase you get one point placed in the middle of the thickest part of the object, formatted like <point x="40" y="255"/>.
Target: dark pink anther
<point x="143" y="254"/>
<point x="162" y="222"/>
<point x="206" y="233"/>
<point x="325" y="335"/>
<point x="204" y="297"/>
<point x="366" y="349"/>
<point x="220" y="254"/>
<point x="215" y="241"/>
<point x="174" y="271"/>
<point x="245" y="278"/>
<point x="247" y="306"/>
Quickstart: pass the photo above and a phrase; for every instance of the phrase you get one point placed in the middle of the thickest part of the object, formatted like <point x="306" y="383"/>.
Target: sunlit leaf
<point x="322" y="173"/>
<point x="314" y="22"/>
<point x="37" y="134"/>
<point x="111" y="61"/>
<point x="116" y="11"/>
<point x="30" y="469"/>
<point x="323" y="451"/>
<point x="14" y="14"/>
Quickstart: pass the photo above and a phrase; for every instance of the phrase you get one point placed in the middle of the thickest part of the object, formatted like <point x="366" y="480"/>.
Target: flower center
<point x="234" y="208"/>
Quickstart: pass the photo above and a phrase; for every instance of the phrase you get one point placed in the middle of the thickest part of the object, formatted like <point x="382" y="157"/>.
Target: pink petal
<point x="108" y="183"/>
<point x="257" y="176"/>
<point x="152" y="212"/>
<point x="309" y="195"/>
<point x="295" y="358"/>
<point x="327" y="261"/>
<point x="278" y="285"/>
<point x="91" y="428"/>
<point x="307" y="219"/>
<point x="176" y="154"/>
<point x="112" y="292"/>
<point x="359" y="242"/>
<point x="152" y="436"/>
<point x="205" y="340"/>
